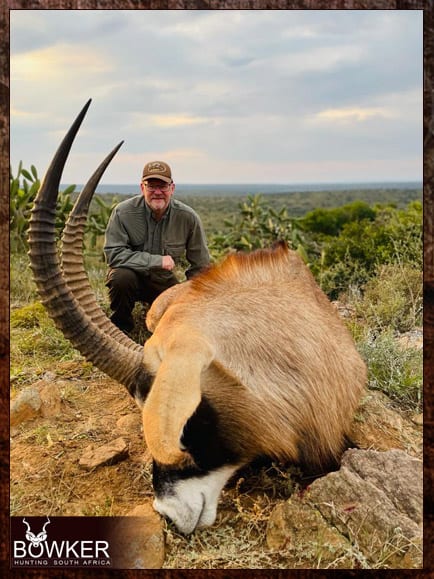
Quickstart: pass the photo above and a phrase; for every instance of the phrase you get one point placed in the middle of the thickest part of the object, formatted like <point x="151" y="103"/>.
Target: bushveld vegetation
<point x="366" y="255"/>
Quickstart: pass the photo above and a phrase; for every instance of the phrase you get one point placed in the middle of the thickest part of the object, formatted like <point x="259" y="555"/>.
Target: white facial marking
<point x="192" y="503"/>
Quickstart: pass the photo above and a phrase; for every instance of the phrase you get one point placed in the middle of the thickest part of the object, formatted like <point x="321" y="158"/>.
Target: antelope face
<point x="188" y="492"/>
<point x="189" y="497"/>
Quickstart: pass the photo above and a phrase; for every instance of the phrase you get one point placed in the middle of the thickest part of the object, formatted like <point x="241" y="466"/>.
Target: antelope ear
<point x="175" y="393"/>
<point x="162" y="302"/>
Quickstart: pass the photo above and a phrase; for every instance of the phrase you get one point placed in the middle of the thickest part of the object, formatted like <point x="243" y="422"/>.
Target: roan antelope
<point x="247" y="359"/>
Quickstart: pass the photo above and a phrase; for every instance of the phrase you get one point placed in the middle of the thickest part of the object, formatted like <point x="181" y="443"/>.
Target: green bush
<point x="394" y="369"/>
<point x="23" y="190"/>
<point x="392" y="299"/>
<point x="394" y="234"/>
<point x="354" y="256"/>
<point x="256" y="226"/>
<point x="30" y="316"/>
<point x="97" y="221"/>
<point x="341" y="277"/>
<point x="22" y="287"/>
<point x="329" y="222"/>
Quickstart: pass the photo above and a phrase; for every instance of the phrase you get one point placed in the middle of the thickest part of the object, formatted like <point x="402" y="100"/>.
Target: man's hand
<point x="168" y="262"/>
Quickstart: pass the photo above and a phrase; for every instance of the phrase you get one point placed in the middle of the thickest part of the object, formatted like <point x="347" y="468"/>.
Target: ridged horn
<point x="72" y="258"/>
<point x="122" y="362"/>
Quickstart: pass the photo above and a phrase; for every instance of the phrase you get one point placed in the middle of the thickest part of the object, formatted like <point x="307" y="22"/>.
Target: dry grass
<point x="237" y="540"/>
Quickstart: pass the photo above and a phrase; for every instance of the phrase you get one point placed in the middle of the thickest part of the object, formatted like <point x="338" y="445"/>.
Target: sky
<point x="281" y="96"/>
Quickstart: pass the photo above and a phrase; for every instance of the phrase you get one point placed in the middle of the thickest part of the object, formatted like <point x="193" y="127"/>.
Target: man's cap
<point x="157" y="170"/>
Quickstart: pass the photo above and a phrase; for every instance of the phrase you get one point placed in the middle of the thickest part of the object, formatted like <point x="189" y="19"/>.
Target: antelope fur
<point x="258" y="337"/>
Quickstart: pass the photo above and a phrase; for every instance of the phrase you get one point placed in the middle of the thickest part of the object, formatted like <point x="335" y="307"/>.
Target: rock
<point x="375" y="499"/>
<point x="302" y="531"/>
<point x="398" y="475"/>
<point x="139" y="540"/>
<point x="51" y="399"/>
<point x="369" y="511"/>
<point x="25" y="406"/>
<point x="130" y="423"/>
<point x="107" y="454"/>
<point x="377" y="426"/>
<point x="41" y="399"/>
<point x="418" y="419"/>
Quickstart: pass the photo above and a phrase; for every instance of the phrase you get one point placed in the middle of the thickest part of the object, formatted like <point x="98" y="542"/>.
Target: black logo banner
<point x="68" y="542"/>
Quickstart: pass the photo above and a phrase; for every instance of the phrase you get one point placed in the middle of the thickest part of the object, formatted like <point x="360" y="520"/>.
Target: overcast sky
<point x="222" y="96"/>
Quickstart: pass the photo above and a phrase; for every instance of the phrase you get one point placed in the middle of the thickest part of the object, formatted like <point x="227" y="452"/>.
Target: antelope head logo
<point x="36" y="539"/>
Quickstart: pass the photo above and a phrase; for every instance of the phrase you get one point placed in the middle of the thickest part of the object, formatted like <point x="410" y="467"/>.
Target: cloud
<point x="56" y="61"/>
<point x="27" y="116"/>
<point x="257" y="90"/>
<point x="351" y="115"/>
<point x="169" y="121"/>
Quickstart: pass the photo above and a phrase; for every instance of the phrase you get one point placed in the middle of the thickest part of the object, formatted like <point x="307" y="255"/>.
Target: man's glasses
<point x="153" y="188"/>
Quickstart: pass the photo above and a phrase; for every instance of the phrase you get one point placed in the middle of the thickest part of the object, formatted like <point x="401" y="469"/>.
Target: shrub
<point x="23" y="190"/>
<point x="392" y="299"/>
<point x="341" y="277"/>
<point x="256" y="226"/>
<point x="354" y="256"/>
<point x="22" y="287"/>
<point x="98" y="221"/>
<point x="331" y="221"/>
<point x="29" y="316"/>
<point x="394" y="369"/>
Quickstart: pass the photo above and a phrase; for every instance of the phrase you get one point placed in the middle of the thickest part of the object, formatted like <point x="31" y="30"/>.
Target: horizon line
<point x="268" y="184"/>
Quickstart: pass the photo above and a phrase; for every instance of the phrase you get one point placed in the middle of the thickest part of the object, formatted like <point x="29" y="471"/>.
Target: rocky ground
<point x="77" y="449"/>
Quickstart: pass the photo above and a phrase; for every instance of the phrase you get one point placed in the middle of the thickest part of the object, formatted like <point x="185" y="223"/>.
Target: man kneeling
<point x="145" y="238"/>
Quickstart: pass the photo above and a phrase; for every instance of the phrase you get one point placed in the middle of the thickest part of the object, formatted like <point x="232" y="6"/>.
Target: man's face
<point x="157" y="194"/>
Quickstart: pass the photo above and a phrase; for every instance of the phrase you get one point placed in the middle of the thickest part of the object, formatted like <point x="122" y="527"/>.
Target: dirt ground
<point x="46" y="478"/>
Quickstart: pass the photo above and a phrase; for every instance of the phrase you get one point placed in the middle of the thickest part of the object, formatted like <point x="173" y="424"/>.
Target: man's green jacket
<point x="134" y="239"/>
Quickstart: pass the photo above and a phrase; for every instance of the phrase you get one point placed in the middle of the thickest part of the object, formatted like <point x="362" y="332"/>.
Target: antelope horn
<point x="121" y="361"/>
<point x="27" y="525"/>
<point x="73" y="263"/>
<point x="47" y="523"/>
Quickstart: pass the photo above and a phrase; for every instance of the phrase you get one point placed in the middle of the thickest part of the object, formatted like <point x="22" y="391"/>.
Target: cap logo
<point x="156" y="168"/>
